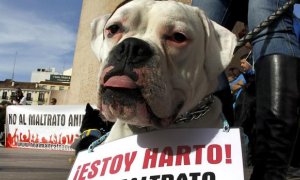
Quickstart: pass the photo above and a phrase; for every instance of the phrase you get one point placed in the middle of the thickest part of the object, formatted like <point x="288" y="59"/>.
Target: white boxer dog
<point x="159" y="62"/>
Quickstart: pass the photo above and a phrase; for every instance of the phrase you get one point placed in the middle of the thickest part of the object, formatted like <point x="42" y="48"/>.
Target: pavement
<point x="34" y="164"/>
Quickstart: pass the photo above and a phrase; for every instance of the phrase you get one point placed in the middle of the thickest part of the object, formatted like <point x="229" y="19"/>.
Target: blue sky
<point x="42" y="32"/>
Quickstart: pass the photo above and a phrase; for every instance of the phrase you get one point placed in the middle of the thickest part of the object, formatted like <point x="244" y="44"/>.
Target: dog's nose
<point x="129" y="54"/>
<point x="133" y="51"/>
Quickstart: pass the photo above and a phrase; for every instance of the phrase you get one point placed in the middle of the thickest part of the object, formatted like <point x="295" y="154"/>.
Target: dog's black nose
<point x="133" y="51"/>
<point x="129" y="54"/>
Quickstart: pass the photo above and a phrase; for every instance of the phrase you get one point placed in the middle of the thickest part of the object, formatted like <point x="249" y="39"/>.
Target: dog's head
<point x="92" y="120"/>
<point x="158" y="60"/>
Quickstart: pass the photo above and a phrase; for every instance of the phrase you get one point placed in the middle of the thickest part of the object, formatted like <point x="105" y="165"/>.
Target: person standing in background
<point x="19" y="98"/>
<point x="53" y="101"/>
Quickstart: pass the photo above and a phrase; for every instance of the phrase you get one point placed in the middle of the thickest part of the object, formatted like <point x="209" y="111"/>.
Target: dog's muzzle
<point x="130" y="54"/>
<point x="121" y="87"/>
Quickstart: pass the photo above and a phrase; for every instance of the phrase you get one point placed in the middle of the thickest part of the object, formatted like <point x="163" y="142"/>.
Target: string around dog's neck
<point x="200" y="110"/>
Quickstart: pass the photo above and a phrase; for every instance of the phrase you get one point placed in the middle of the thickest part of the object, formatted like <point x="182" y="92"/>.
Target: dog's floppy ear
<point x="219" y="44"/>
<point x="97" y="27"/>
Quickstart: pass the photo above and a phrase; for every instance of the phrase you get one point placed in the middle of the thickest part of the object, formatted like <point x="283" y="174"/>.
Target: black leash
<point x="250" y="35"/>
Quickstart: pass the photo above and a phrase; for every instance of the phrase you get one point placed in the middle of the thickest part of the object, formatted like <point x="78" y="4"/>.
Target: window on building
<point x="44" y="86"/>
<point x="41" y="96"/>
<point x="61" y="87"/>
<point x="52" y="88"/>
<point x="13" y="95"/>
<point x="4" y="95"/>
<point x="28" y="97"/>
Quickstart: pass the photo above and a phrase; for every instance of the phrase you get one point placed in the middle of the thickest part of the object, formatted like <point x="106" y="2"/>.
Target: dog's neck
<point x="200" y="110"/>
<point x="207" y="114"/>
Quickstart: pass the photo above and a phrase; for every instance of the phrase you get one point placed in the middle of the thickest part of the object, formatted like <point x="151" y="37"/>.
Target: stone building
<point x="42" y="74"/>
<point x="35" y="93"/>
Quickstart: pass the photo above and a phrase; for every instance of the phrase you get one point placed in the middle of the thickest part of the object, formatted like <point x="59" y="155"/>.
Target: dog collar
<point x="91" y="132"/>
<point x="198" y="111"/>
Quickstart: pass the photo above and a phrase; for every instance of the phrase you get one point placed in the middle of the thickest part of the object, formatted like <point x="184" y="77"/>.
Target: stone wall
<point x="60" y="96"/>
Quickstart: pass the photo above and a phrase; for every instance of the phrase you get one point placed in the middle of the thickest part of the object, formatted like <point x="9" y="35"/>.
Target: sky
<point x="37" y="34"/>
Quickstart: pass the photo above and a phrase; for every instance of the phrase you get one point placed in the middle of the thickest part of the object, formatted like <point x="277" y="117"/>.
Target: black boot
<point x="294" y="169"/>
<point x="277" y="100"/>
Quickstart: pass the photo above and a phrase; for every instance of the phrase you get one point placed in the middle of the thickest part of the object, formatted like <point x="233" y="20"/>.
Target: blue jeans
<point x="278" y="38"/>
<point x="216" y="10"/>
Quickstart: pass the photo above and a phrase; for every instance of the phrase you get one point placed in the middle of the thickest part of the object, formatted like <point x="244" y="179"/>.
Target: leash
<point x="250" y="35"/>
<point x="97" y="142"/>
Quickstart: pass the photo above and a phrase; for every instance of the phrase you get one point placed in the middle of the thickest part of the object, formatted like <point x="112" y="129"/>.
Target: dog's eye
<point x="178" y="37"/>
<point x="113" y="29"/>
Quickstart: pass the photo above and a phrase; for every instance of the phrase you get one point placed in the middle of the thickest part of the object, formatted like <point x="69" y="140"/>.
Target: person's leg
<point x="276" y="52"/>
<point x="294" y="169"/>
<point x="216" y="10"/>
<point x="295" y="162"/>
<point x="279" y="37"/>
<point x="224" y="12"/>
<point x="277" y="99"/>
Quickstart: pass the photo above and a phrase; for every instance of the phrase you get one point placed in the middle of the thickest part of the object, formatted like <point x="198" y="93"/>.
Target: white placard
<point x="195" y="154"/>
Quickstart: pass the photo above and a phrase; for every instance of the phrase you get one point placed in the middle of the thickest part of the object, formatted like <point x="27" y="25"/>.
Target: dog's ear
<point x="219" y="46"/>
<point x="88" y="108"/>
<point x="97" y="27"/>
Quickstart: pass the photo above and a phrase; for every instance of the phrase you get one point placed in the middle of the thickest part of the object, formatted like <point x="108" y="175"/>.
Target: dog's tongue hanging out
<point x="120" y="82"/>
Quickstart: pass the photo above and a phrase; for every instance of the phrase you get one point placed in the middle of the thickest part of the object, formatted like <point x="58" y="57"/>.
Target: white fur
<point x="183" y="72"/>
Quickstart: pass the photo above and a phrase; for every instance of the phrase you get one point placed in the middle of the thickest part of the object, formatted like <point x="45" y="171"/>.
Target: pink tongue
<point x="120" y="82"/>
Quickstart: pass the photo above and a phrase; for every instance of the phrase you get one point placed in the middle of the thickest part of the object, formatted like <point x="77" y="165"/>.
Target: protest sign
<point x="43" y="127"/>
<point x="172" y="154"/>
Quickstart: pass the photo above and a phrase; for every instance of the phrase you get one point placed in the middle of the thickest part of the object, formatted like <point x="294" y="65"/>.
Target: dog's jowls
<point x="158" y="60"/>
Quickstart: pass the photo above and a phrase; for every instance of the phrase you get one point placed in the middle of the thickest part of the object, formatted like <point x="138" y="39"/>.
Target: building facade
<point x="35" y="93"/>
<point x="42" y="74"/>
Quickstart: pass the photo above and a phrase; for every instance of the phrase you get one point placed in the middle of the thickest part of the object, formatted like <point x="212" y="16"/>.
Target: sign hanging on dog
<point x="195" y="154"/>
